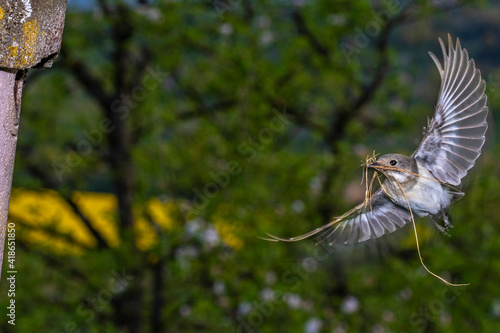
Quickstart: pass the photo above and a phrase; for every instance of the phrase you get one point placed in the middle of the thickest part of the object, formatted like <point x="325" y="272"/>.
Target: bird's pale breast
<point x="426" y="196"/>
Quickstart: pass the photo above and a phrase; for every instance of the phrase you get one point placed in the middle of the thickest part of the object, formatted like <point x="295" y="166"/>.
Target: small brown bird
<point x="425" y="180"/>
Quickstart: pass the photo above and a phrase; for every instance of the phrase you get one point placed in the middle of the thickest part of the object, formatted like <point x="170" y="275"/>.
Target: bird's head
<point x="401" y="167"/>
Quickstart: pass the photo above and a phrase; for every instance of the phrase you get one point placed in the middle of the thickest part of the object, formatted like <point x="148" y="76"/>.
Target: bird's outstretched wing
<point x="454" y="138"/>
<point x="362" y="223"/>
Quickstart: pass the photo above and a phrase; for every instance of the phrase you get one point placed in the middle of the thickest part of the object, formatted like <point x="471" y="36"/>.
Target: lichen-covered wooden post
<point x="30" y="37"/>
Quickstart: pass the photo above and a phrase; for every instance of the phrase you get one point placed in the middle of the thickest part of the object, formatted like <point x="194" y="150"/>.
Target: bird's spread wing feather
<point x="364" y="222"/>
<point x="454" y="138"/>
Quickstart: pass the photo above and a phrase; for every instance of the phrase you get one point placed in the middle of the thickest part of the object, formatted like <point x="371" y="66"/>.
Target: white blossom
<point x="298" y="206"/>
<point x="350" y="304"/>
<point x="226" y="29"/>
<point x="293" y="300"/>
<point x="313" y="325"/>
<point x="267" y="294"/>
<point x="244" y="308"/>
<point x="219" y="288"/>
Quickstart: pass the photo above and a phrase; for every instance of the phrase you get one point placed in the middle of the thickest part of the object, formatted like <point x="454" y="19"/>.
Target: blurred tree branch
<point x="303" y="29"/>
<point x="50" y="183"/>
<point x="351" y="110"/>
<point x="341" y="116"/>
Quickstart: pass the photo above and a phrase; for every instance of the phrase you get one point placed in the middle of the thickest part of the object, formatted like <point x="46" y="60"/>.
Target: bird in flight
<point x="425" y="182"/>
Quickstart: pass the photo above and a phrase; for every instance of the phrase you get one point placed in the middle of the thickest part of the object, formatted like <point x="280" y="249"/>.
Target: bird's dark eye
<point x="393" y="162"/>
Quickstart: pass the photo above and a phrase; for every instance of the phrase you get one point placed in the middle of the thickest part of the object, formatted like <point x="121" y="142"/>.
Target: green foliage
<point x="257" y="86"/>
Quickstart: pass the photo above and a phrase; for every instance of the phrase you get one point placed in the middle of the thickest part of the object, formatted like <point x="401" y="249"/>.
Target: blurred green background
<point x="241" y="118"/>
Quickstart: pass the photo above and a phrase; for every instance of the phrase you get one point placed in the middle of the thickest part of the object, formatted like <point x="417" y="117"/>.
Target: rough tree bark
<point x="30" y="37"/>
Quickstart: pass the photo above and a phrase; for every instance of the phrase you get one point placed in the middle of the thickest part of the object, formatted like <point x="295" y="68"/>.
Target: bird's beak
<point x="374" y="165"/>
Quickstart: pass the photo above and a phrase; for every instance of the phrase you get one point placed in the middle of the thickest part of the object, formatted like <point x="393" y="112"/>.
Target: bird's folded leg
<point x="446" y="220"/>
<point x="447" y="225"/>
<point x="443" y="230"/>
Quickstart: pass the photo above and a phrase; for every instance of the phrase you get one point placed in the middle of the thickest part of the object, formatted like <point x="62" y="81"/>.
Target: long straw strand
<point x="418" y="246"/>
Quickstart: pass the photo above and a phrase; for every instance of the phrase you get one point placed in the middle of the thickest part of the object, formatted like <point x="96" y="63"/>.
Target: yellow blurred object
<point x="44" y="214"/>
<point x="42" y="211"/>
<point x="424" y="232"/>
